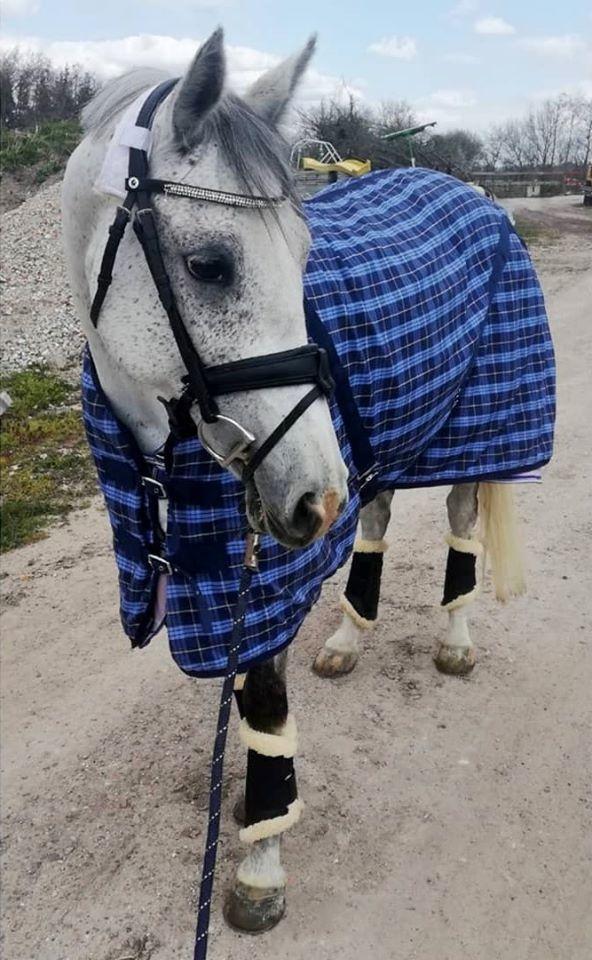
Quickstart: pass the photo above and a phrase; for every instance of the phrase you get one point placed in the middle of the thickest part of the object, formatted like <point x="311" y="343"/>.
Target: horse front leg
<point x="257" y="900"/>
<point x="457" y="652"/>
<point x="359" y="603"/>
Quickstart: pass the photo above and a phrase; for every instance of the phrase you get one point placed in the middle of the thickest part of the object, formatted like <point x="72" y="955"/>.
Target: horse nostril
<point x="308" y="515"/>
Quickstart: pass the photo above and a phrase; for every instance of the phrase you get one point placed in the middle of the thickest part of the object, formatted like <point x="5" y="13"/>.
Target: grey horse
<point x="303" y="482"/>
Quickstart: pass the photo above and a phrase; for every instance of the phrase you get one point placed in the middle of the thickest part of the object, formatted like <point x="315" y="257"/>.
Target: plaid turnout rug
<point x="437" y="316"/>
<point x="434" y="320"/>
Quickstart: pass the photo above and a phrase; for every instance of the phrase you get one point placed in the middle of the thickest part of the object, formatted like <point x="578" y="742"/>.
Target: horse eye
<point x="213" y="270"/>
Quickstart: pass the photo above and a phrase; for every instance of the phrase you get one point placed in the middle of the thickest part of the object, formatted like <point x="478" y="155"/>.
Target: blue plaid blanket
<point x="436" y="313"/>
<point x="435" y="323"/>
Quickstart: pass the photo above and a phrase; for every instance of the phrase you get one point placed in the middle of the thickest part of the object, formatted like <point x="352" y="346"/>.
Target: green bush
<point x="50" y="145"/>
<point x="45" y="467"/>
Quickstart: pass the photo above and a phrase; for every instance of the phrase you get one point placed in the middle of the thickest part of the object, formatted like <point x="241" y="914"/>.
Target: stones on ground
<point x="38" y="321"/>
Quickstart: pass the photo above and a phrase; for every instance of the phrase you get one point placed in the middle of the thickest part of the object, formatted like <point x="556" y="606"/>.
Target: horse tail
<point x="501" y="539"/>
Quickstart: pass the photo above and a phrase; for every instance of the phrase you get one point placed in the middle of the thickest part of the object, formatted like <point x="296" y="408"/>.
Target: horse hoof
<point x="332" y="663"/>
<point x="458" y="661"/>
<point x="254" y="910"/>
<point x="239" y="813"/>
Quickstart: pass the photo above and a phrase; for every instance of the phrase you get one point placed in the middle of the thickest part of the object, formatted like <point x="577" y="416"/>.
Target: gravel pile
<point x="38" y="321"/>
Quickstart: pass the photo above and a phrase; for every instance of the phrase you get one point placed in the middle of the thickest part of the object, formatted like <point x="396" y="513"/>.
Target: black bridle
<point x="302" y="365"/>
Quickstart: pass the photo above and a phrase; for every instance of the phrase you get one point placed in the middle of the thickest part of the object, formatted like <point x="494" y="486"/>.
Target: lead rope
<point x="250" y="565"/>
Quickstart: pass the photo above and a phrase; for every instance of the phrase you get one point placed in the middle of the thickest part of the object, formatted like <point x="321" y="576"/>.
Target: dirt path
<point x="446" y="819"/>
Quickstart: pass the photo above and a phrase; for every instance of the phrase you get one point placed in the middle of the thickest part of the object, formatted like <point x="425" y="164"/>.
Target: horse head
<point x="236" y="275"/>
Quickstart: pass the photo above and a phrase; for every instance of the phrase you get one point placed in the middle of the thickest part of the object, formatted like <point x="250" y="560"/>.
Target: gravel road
<point x="445" y="819"/>
<point x="38" y="323"/>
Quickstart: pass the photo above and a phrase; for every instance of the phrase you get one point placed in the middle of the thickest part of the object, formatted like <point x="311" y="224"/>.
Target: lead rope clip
<point x="251" y="559"/>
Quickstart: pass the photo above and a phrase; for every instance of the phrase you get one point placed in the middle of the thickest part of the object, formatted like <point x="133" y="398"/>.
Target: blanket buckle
<point x="154" y="486"/>
<point x="159" y="564"/>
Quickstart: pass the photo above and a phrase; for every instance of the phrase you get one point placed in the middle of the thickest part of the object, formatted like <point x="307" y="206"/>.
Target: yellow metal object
<point x="353" y="168"/>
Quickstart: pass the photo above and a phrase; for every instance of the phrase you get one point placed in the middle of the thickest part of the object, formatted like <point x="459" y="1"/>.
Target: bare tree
<point x="456" y="152"/>
<point x="557" y="133"/>
<point x="582" y="137"/>
<point x="394" y="115"/>
<point x="494" y="146"/>
<point x="347" y="126"/>
<point x="357" y="131"/>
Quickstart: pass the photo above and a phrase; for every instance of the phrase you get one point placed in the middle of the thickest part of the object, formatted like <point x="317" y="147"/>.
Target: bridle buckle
<point x="239" y="446"/>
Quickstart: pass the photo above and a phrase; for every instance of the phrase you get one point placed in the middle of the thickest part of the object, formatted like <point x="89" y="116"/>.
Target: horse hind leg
<point x="456" y="654"/>
<point x="359" y="603"/>
<point x="257" y="900"/>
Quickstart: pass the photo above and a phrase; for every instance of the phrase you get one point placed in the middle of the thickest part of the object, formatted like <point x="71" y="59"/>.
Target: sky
<point x="464" y="63"/>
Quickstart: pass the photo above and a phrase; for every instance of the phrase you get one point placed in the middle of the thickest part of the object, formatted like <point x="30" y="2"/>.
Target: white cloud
<point x="568" y="45"/>
<point x="464" y="8"/>
<point x="188" y="4"/>
<point x="494" y="27"/>
<point x="110" y="58"/>
<point x="466" y="59"/>
<point x="444" y="118"/>
<point x="18" y="8"/>
<point x="583" y="88"/>
<point x="400" y="48"/>
<point x="453" y="98"/>
<point x="448" y="107"/>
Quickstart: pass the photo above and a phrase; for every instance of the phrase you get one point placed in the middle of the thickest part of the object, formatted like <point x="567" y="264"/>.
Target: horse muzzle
<point x="309" y="519"/>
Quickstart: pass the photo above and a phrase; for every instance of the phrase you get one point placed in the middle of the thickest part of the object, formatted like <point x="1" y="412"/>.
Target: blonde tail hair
<point x="500" y="537"/>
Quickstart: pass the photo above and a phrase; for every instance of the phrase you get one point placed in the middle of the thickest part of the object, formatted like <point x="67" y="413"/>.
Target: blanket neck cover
<point x="434" y="321"/>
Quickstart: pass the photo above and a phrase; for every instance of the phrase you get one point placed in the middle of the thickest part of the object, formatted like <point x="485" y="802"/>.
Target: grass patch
<point x="48" y="147"/>
<point x="532" y="232"/>
<point x="45" y="466"/>
<point x="34" y="390"/>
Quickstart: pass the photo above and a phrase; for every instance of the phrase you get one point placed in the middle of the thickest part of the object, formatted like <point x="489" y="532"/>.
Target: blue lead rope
<point x="211" y="848"/>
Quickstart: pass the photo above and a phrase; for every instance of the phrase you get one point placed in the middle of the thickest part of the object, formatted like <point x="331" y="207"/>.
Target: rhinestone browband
<point x="219" y="196"/>
<point x="149" y="185"/>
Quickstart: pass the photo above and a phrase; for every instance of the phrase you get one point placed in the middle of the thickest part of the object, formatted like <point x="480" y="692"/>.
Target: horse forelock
<point x="253" y="149"/>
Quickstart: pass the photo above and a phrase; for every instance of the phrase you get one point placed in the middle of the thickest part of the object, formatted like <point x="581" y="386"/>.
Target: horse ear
<point x="199" y="90"/>
<point x="270" y="94"/>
